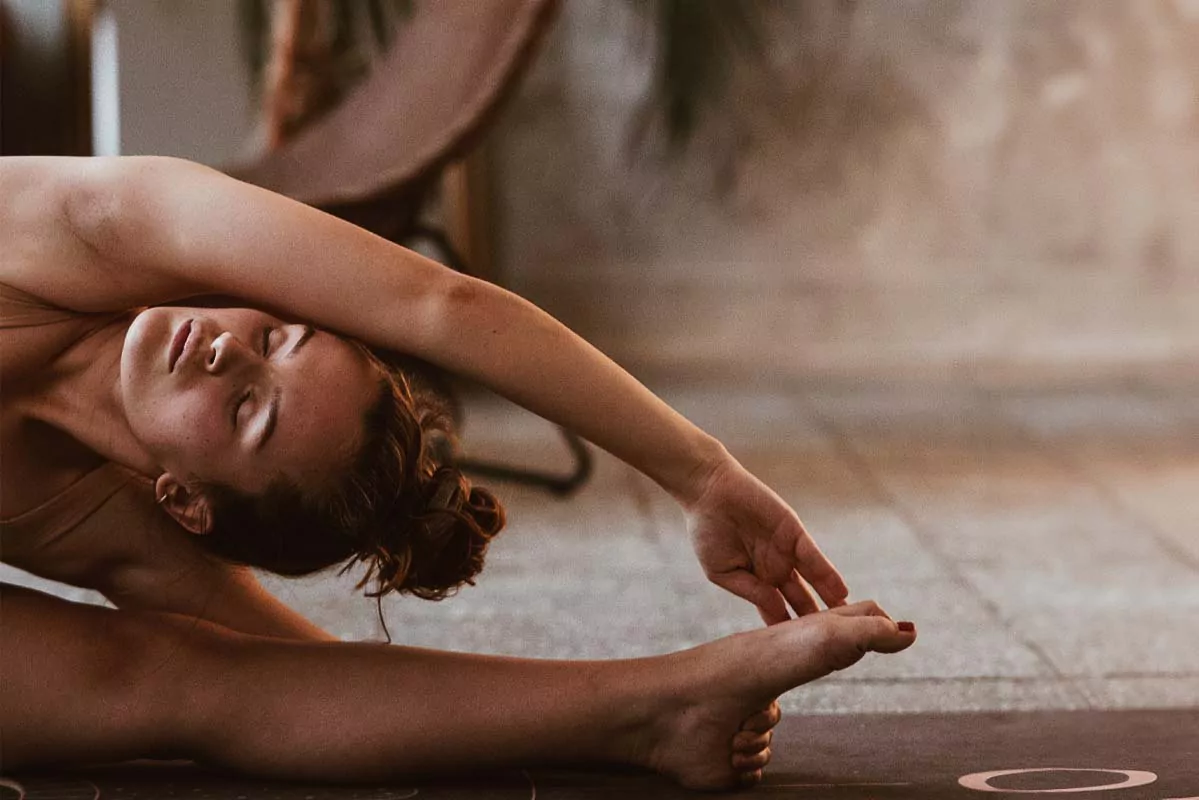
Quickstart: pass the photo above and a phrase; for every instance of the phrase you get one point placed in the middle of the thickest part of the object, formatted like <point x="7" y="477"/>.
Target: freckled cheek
<point x="195" y="425"/>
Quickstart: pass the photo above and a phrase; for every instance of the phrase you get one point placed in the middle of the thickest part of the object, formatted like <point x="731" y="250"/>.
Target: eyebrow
<point x="272" y="414"/>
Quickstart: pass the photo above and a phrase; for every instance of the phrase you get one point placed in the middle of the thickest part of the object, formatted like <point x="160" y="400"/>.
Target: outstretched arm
<point x="208" y="591"/>
<point x="185" y="229"/>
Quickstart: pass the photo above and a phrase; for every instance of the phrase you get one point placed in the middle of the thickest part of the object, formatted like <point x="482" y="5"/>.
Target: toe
<point x="750" y="742"/>
<point x="745" y="762"/>
<point x="763" y="720"/>
<point x="752" y="778"/>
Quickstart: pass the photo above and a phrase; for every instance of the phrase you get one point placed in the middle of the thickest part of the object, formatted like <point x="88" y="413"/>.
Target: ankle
<point x="651" y="698"/>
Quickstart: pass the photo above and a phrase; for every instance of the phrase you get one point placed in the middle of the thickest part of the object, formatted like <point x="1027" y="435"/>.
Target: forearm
<point x="510" y="345"/>
<point x="224" y="595"/>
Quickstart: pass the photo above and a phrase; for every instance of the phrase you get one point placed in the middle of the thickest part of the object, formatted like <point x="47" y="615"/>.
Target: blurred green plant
<point x="697" y="47"/>
<point x="305" y="54"/>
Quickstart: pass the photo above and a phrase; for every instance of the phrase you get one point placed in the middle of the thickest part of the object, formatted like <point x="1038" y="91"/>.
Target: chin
<point x="144" y="349"/>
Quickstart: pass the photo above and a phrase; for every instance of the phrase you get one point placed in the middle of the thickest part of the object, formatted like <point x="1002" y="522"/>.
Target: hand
<point x="752" y="543"/>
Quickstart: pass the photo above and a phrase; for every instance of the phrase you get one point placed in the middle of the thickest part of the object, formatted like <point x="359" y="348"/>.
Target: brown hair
<point x="417" y="523"/>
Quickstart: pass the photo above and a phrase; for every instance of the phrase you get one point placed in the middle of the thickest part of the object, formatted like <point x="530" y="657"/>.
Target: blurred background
<point x="961" y="191"/>
<point x="930" y="268"/>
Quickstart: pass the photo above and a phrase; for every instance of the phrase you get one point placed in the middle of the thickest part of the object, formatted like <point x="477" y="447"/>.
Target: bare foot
<point x="714" y="728"/>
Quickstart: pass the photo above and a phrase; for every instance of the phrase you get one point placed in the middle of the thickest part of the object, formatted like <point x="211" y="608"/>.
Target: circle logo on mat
<point x="981" y="781"/>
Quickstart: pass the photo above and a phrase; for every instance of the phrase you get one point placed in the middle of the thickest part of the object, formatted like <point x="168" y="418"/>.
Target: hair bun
<point x="443" y="541"/>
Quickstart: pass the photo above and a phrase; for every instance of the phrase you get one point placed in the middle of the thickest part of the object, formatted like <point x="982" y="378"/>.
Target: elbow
<point x="461" y="292"/>
<point x="450" y="302"/>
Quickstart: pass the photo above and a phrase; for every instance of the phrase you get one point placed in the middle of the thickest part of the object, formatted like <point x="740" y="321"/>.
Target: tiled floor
<point x="1043" y="542"/>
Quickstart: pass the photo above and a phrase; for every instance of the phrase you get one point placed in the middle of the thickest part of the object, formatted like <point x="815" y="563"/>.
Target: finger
<point x="747" y="586"/>
<point x="750" y="742"/>
<point x="798" y="596"/>
<point x="819" y="571"/>
<point x="747" y="761"/>
<point x="764" y="720"/>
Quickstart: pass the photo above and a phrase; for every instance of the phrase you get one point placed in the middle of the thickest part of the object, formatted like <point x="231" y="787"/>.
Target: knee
<point x="49" y="642"/>
<point x="140" y="674"/>
<point x="164" y="665"/>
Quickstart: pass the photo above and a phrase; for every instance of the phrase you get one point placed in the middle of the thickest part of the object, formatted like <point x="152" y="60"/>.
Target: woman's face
<point x="239" y="397"/>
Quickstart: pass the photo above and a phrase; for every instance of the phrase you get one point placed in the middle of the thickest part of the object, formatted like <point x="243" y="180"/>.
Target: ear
<point x="189" y="508"/>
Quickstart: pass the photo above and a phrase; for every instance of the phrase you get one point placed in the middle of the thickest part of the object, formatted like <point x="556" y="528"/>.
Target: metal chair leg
<point x="559" y="485"/>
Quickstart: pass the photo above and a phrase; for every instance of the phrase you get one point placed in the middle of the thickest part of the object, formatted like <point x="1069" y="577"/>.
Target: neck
<point x="83" y="398"/>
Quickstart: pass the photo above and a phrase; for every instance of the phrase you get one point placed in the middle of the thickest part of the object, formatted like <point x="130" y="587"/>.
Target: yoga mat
<point x="1084" y="755"/>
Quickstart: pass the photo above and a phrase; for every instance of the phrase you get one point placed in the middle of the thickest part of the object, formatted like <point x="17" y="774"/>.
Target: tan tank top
<point x="20" y="309"/>
<point x="77" y="502"/>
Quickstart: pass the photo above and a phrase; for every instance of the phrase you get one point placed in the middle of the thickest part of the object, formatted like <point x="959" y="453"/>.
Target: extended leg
<point x="85" y="683"/>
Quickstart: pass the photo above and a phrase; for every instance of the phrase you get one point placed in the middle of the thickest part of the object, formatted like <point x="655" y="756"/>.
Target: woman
<point x="136" y="443"/>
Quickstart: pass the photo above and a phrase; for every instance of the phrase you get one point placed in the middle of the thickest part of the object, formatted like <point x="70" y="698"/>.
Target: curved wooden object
<point x="448" y="70"/>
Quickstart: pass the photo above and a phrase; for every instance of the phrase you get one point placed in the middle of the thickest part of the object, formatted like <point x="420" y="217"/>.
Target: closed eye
<point x="237" y="406"/>
<point x="266" y="351"/>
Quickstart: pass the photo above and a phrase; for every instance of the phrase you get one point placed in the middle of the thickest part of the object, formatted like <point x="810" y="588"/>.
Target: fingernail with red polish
<point x="907" y="627"/>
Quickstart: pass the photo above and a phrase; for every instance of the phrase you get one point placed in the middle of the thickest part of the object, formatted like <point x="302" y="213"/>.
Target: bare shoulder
<point x="113" y="234"/>
<point x="117" y="532"/>
<point x="34" y="231"/>
<point x="138" y="557"/>
<point x="55" y="213"/>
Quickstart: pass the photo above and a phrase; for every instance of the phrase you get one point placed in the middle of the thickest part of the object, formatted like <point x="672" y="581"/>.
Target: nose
<point x="227" y="352"/>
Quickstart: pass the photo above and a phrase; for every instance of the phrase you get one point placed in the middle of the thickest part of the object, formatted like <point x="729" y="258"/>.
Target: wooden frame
<point x="466" y="212"/>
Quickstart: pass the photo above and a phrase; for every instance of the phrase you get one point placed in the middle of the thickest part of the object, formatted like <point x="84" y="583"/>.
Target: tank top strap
<point x="19" y="309"/>
<point x="72" y="505"/>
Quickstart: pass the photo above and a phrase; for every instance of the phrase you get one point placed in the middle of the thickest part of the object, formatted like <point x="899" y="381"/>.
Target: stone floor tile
<point x="1068" y="589"/>
<point x="807" y="476"/>
<point x="1177" y="691"/>
<point x="748" y="417"/>
<point x="1139" y="448"/>
<point x="857" y="697"/>
<point x="959" y="636"/>
<point x="875" y="405"/>
<point x="332" y="603"/>
<point x="1160" y="500"/>
<point x="1131" y="420"/>
<point x="871" y="546"/>
<point x="549" y="630"/>
<point x="1117" y="641"/>
<point x="986" y="511"/>
<point x="1016" y="533"/>
<point x="547" y="550"/>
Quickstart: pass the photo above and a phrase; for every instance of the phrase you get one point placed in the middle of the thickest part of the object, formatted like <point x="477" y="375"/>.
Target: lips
<point x="178" y="343"/>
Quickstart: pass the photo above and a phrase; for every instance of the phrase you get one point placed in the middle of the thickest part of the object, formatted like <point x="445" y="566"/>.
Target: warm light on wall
<point x="106" y="95"/>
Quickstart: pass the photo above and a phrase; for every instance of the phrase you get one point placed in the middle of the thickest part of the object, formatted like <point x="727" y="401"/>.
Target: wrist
<point x="708" y="457"/>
